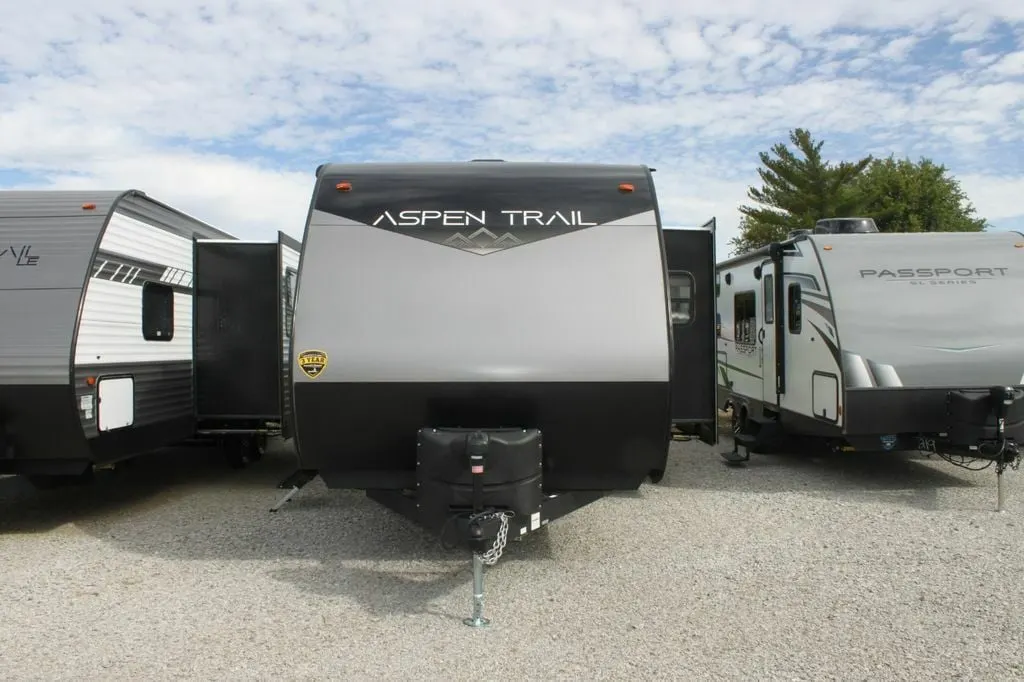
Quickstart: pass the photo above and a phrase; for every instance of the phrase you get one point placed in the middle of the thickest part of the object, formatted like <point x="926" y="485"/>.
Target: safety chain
<point x="491" y="556"/>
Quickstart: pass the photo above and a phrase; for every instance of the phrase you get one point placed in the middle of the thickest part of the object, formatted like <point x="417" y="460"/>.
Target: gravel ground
<point x="845" y="567"/>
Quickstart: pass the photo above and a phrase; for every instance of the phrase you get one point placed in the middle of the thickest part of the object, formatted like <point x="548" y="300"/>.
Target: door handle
<point x="760" y="335"/>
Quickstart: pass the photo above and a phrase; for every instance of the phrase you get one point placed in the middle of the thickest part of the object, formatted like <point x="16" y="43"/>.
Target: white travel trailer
<point x="876" y="341"/>
<point x="96" y="342"/>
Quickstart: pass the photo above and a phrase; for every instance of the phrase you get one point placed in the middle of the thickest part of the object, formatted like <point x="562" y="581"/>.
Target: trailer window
<point x="769" y="299"/>
<point x="745" y="317"/>
<point x="793" y="306"/>
<point x="806" y="281"/>
<point x="157" y="312"/>
<point x="680" y="285"/>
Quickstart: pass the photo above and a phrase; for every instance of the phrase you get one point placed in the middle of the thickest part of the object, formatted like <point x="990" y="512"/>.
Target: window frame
<point x="165" y="294"/>
<point x="794" y="308"/>
<point x="750" y="313"/>
<point x="681" y="274"/>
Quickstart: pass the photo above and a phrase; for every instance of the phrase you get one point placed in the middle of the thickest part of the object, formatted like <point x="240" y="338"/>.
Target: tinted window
<point x="157" y="312"/>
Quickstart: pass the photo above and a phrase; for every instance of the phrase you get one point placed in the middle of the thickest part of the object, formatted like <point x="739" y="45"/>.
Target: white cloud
<point x="1010" y="65"/>
<point x="997" y="197"/>
<point x="227" y="113"/>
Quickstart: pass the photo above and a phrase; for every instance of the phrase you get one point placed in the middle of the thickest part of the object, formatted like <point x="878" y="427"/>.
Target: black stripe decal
<point x="821" y="310"/>
<point x="814" y="294"/>
<point x="832" y="348"/>
<point x="115" y="267"/>
<point x="739" y="370"/>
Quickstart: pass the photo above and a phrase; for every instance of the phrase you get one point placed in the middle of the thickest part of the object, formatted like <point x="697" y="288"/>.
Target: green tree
<point x="903" y="196"/>
<point x="797" y="191"/>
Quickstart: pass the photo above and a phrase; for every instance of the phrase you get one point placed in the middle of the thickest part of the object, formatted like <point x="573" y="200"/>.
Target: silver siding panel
<point x="55" y="203"/>
<point x="928" y="334"/>
<point x="588" y="306"/>
<point x="150" y="210"/>
<point x="39" y="303"/>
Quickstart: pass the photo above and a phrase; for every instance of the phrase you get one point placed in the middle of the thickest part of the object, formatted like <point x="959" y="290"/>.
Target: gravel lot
<point x="845" y="567"/>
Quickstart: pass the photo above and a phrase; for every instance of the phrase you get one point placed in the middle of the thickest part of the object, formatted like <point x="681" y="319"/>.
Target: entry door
<point x="768" y="317"/>
<point x="690" y="264"/>
<point x="116" y="408"/>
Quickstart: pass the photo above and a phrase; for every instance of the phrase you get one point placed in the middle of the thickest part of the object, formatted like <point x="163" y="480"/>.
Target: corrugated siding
<point x="54" y="203"/>
<point x="289" y="267"/>
<point x="43" y="263"/>
<point x="163" y="391"/>
<point x="151" y="211"/>
<point x="110" y="338"/>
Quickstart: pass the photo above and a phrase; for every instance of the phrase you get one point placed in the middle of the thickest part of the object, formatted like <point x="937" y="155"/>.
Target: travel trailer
<point x="487" y="346"/>
<point x="242" y="307"/>
<point x="95" y="329"/>
<point x="861" y="340"/>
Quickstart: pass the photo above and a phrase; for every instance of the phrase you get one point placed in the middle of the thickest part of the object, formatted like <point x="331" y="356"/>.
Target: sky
<point x="224" y="109"/>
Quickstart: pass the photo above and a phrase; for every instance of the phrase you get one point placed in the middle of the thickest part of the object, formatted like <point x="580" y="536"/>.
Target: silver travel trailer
<point x="485" y="347"/>
<point x="96" y="331"/>
<point x="242" y="312"/>
<point x="876" y="341"/>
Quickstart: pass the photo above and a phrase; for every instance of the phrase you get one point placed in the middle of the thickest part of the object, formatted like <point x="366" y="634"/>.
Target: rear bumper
<point x="898" y="418"/>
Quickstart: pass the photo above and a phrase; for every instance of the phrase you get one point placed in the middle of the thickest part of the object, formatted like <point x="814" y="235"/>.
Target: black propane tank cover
<point x="511" y="479"/>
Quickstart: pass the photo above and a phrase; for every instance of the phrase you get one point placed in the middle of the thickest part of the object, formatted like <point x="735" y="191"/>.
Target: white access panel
<point x="825" y="396"/>
<point x="116" y="407"/>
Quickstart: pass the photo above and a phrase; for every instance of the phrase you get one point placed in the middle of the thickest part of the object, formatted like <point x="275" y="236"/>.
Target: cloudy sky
<point x="224" y="109"/>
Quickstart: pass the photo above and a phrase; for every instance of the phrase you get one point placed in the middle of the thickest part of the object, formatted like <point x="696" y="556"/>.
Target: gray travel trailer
<point x="485" y="347"/>
<point x="242" y="312"/>
<point x="693" y="328"/>
<point x="864" y="340"/>
<point x="95" y="329"/>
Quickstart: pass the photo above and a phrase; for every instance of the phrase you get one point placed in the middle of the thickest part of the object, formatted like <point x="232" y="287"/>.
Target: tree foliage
<point x="903" y="196"/>
<point x="800" y="187"/>
<point x="797" y="191"/>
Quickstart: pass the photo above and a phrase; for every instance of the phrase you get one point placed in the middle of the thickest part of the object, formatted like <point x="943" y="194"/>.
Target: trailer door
<point x="766" y="332"/>
<point x="690" y="265"/>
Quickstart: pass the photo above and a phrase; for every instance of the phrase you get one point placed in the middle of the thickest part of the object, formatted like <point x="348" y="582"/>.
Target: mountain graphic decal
<point x="482" y="242"/>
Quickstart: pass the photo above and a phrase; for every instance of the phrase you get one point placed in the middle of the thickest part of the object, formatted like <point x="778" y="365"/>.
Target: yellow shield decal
<point x="312" y="362"/>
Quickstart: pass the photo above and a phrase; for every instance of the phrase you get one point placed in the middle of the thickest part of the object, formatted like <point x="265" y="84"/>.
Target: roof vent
<point x="487" y="161"/>
<point x="845" y="226"/>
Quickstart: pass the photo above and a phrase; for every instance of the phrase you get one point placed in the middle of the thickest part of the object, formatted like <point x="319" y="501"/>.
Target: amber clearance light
<point x="343" y="187"/>
<point x="625" y="187"/>
<point x="88" y="207"/>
